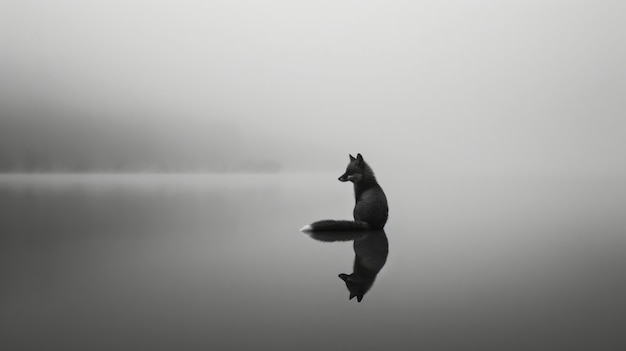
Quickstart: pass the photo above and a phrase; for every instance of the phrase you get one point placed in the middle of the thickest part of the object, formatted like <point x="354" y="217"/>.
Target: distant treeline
<point x="39" y="163"/>
<point x="52" y="139"/>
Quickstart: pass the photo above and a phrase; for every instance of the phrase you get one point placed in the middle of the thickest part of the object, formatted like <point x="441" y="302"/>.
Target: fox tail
<point x="335" y="225"/>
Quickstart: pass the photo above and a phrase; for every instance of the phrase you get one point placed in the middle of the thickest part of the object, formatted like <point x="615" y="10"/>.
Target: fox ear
<point x="351" y="157"/>
<point x="359" y="158"/>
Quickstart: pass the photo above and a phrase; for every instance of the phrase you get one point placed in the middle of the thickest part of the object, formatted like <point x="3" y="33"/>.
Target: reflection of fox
<point x="370" y="254"/>
<point x="370" y="210"/>
<point x="370" y="257"/>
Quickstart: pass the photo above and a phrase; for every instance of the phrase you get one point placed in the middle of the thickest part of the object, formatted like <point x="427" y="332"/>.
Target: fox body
<point x="370" y="209"/>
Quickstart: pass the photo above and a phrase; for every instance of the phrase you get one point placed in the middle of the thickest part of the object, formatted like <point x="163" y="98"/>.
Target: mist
<point x="158" y="157"/>
<point x="481" y="87"/>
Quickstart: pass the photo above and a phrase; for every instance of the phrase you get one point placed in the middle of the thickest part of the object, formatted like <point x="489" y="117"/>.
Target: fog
<point x="496" y="129"/>
<point x="455" y="87"/>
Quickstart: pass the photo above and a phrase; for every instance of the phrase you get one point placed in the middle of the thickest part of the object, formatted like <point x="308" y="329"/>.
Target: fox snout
<point x="352" y="177"/>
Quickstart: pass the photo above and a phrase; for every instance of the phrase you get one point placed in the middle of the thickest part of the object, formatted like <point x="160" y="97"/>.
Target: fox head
<point x="355" y="170"/>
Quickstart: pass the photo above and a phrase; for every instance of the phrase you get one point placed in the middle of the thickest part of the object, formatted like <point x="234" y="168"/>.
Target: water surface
<point x="166" y="262"/>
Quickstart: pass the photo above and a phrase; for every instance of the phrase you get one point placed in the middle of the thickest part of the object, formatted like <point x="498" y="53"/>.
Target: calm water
<point x="205" y="262"/>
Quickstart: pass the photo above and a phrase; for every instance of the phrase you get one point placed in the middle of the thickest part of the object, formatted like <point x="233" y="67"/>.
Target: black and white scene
<point x="312" y="175"/>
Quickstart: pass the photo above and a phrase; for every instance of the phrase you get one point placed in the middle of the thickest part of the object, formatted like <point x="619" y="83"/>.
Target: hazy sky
<point x="449" y="86"/>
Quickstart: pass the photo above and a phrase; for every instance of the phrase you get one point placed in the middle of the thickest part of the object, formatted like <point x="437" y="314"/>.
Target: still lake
<point x="199" y="262"/>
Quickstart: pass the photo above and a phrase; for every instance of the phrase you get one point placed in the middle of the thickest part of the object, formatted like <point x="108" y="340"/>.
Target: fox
<point x="370" y="210"/>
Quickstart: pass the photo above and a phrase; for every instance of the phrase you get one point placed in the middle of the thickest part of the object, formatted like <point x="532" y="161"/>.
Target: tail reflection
<point x="370" y="248"/>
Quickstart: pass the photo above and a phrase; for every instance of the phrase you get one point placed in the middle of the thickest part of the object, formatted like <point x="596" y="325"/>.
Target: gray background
<point x="454" y="87"/>
<point x="496" y="129"/>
